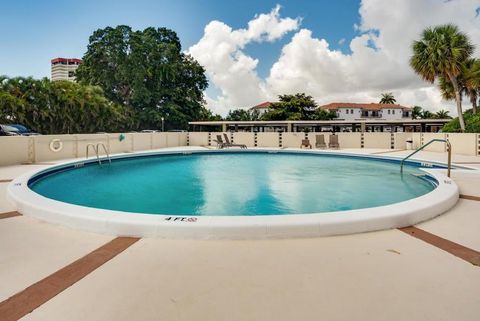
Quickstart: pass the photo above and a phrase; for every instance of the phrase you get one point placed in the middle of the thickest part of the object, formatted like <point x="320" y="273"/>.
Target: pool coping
<point x="110" y="222"/>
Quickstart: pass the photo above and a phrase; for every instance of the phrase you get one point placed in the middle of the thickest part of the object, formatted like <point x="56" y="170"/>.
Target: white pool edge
<point x="117" y="223"/>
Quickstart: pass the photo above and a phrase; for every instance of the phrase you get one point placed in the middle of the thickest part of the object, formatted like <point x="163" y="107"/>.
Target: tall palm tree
<point x="446" y="88"/>
<point x="468" y="82"/>
<point x="441" y="52"/>
<point x="388" y="98"/>
<point x="471" y="76"/>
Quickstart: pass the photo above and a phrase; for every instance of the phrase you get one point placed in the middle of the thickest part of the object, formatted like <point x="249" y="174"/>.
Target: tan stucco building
<point x="64" y="68"/>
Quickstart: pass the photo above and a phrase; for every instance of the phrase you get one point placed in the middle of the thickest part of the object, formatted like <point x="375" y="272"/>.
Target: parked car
<point x="8" y="130"/>
<point x="16" y="130"/>
<point x="24" y="131"/>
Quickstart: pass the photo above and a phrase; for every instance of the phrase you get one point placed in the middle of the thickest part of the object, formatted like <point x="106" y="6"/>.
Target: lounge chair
<point x="320" y="141"/>
<point x="229" y="144"/>
<point x="219" y="141"/>
<point x="306" y="143"/>
<point x="333" y="142"/>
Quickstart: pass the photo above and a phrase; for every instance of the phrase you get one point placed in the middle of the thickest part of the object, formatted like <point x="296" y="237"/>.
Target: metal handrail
<point x="449" y="150"/>
<point x="95" y="149"/>
<point x="105" y="150"/>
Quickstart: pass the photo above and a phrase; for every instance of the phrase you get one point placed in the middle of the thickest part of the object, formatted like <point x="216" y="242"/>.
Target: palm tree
<point x="471" y="76"/>
<point x="416" y="112"/>
<point x="442" y="114"/>
<point x="468" y="82"/>
<point x="388" y="98"/>
<point x="446" y="88"/>
<point x="426" y="114"/>
<point x="441" y="52"/>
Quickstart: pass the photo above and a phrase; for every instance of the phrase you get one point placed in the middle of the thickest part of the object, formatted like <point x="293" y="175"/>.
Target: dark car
<point x="24" y="131"/>
<point x="8" y="130"/>
<point x="15" y="130"/>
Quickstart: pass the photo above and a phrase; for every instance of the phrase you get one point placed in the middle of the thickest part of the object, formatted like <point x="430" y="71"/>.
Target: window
<point x="347" y="111"/>
<point x="351" y="111"/>
<point x="389" y="111"/>
<point x="393" y="111"/>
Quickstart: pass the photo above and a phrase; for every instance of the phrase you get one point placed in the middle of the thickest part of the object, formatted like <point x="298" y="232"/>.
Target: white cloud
<point x="378" y="61"/>
<point x="228" y="67"/>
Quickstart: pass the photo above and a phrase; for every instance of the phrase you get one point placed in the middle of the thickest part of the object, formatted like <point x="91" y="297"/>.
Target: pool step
<point x="426" y="178"/>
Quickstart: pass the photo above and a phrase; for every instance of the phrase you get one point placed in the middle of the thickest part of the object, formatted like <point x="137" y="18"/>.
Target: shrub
<point x="472" y="123"/>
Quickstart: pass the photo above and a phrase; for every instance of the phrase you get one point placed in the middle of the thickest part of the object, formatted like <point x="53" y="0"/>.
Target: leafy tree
<point x="146" y="70"/>
<point x="472" y="122"/>
<point x="292" y="107"/>
<point x="11" y="108"/>
<point x="243" y="115"/>
<point x="442" y="51"/>
<point x="60" y="107"/>
<point x="254" y="114"/>
<point x="207" y="115"/>
<point x="322" y="114"/>
<point x="388" y="98"/>
<point x="238" y="115"/>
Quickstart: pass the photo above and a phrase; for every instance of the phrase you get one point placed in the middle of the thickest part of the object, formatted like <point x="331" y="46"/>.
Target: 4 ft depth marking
<point x="180" y="219"/>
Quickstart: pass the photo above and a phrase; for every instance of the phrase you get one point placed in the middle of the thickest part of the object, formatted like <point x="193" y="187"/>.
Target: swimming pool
<point x="232" y="188"/>
<point x="234" y="184"/>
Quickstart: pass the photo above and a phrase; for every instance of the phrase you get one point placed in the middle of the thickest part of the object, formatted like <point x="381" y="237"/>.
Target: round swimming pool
<point x="225" y="187"/>
<point x="235" y="184"/>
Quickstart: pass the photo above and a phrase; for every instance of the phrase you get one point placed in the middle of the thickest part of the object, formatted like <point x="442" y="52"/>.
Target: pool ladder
<point x="96" y="149"/>
<point x="449" y="150"/>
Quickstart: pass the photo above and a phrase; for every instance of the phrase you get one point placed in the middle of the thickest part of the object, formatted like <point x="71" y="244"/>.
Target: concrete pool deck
<point x="386" y="275"/>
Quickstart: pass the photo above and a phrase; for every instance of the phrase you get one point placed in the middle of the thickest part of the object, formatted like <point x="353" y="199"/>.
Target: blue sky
<point x="33" y="32"/>
<point x="244" y="68"/>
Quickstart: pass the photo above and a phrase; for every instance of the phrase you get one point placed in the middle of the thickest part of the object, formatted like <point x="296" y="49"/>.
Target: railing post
<point x="449" y="147"/>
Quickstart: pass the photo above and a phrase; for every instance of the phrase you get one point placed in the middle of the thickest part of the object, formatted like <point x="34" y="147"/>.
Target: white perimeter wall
<point x="35" y="149"/>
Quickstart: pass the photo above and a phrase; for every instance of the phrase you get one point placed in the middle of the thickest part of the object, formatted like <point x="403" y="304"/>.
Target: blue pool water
<point x="234" y="184"/>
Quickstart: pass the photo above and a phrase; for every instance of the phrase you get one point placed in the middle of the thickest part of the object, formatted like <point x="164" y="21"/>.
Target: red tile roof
<point x="371" y="106"/>
<point x="66" y="60"/>
<point x="262" y="105"/>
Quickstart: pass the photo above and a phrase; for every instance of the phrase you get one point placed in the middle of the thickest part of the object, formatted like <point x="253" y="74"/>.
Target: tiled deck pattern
<point x="386" y="275"/>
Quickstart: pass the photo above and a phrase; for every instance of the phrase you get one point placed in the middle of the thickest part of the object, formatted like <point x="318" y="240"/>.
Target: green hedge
<point x="472" y="123"/>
